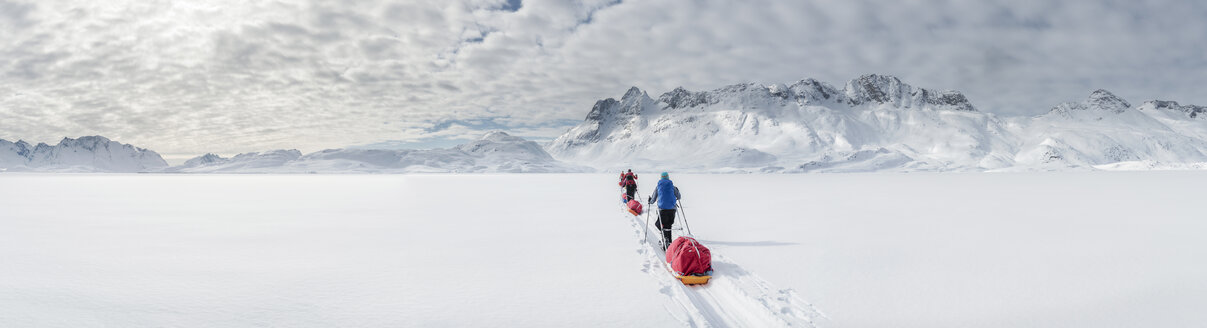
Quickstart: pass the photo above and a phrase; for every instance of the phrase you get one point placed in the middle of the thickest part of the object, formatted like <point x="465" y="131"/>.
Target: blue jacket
<point x="666" y="194"/>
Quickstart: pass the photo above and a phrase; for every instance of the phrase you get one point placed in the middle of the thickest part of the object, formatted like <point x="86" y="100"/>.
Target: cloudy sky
<point x="189" y="77"/>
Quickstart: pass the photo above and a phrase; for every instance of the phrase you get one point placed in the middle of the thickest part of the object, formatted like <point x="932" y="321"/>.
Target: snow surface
<point x="1058" y="249"/>
<point x="1071" y="249"/>
<point x="317" y="251"/>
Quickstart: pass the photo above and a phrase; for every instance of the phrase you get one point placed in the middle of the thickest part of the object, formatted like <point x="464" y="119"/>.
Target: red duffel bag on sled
<point x="634" y="206"/>
<point x="690" y="261"/>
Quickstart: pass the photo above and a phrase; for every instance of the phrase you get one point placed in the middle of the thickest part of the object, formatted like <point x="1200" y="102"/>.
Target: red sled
<point x="689" y="261"/>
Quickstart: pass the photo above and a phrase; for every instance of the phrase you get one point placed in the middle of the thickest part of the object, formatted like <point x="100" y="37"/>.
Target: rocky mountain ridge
<point x="874" y="123"/>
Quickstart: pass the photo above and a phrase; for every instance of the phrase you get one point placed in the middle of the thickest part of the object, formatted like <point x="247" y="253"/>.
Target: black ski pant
<point x="631" y="190"/>
<point x="666" y="219"/>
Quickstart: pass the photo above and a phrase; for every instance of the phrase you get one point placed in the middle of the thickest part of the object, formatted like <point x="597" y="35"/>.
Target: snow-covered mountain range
<point x="86" y="154"/>
<point x="875" y="123"/>
<point x="494" y="152"/>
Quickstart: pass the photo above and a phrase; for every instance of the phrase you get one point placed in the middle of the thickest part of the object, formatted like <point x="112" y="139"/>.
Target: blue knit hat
<point x="666" y="176"/>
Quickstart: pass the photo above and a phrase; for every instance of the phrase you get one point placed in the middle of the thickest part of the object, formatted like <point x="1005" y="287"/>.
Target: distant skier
<point x="628" y="175"/>
<point x="666" y="195"/>
<point x="629" y="182"/>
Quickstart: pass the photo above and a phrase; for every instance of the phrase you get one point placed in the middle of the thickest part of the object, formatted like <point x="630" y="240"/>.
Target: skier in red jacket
<point x="629" y="182"/>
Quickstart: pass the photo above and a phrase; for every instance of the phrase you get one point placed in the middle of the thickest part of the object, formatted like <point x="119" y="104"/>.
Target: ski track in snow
<point x="733" y="297"/>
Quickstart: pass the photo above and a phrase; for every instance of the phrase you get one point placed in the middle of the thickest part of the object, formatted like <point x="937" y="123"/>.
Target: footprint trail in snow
<point x="733" y="297"/>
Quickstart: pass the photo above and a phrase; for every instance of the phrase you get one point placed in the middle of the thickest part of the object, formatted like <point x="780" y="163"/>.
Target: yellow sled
<point x="694" y="280"/>
<point x="690" y="280"/>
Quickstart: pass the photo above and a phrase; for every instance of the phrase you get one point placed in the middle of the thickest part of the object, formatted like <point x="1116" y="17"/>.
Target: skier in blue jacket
<point x="666" y="195"/>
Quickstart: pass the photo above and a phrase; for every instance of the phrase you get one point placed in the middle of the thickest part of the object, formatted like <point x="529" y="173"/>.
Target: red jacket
<point x="627" y="177"/>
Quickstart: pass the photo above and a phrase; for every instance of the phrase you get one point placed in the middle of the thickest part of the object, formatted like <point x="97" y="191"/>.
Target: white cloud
<point x="232" y="76"/>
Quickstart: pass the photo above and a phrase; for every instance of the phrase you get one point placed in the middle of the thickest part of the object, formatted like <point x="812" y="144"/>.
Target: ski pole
<point x="679" y="203"/>
<point x="645" y="229"/>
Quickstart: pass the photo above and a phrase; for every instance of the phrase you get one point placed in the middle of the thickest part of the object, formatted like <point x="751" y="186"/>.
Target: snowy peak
<point x="24" y="147"/>
<point x="611" y="109"/>
<point x="602" y="110"/>
<point x="1191" y="111"/>
<point x="633" y="92"/>
<point x="88" y="142"/>
<point x="889" y="90"/>
<point x="811" y="91"/>
<point x="1105" y="100"/>
<point x="882" y="89"/>
<point x="19" y="148"/>
<point x="85" y="154"/>
<point x="283" y="155"/>
<point x="633" y="102"/>
<point x="497" y="143"/>
<point x="13" y="153"/>
<point x="944" y="100"/>
<point x="1099" y="101"/>
<point x="500" y="136"/>
<point x="207" y="159"/>
<point x="681" y="98"/>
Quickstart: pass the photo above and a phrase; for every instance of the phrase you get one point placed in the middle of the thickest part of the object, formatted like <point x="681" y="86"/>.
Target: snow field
<point x="317" y="251"/>
<point x="1072" y="249"/>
